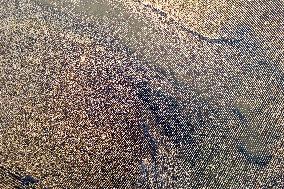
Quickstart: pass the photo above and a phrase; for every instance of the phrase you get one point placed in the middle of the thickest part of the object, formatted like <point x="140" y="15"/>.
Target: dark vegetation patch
<point x="260" y="159"/>
<point x="167" y="113"/>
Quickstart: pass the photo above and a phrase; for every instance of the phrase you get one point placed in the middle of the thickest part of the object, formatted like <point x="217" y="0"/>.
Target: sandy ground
<point x="80" y="109"/>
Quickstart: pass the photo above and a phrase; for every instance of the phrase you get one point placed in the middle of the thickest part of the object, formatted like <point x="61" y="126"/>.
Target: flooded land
<point x="141" y="94"/>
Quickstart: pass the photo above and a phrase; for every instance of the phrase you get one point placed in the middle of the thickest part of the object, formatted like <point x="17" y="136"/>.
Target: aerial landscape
<point x="157" y="94"/>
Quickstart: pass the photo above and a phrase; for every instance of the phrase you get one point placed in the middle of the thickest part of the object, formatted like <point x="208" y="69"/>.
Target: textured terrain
<point x="112" y="94"/>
